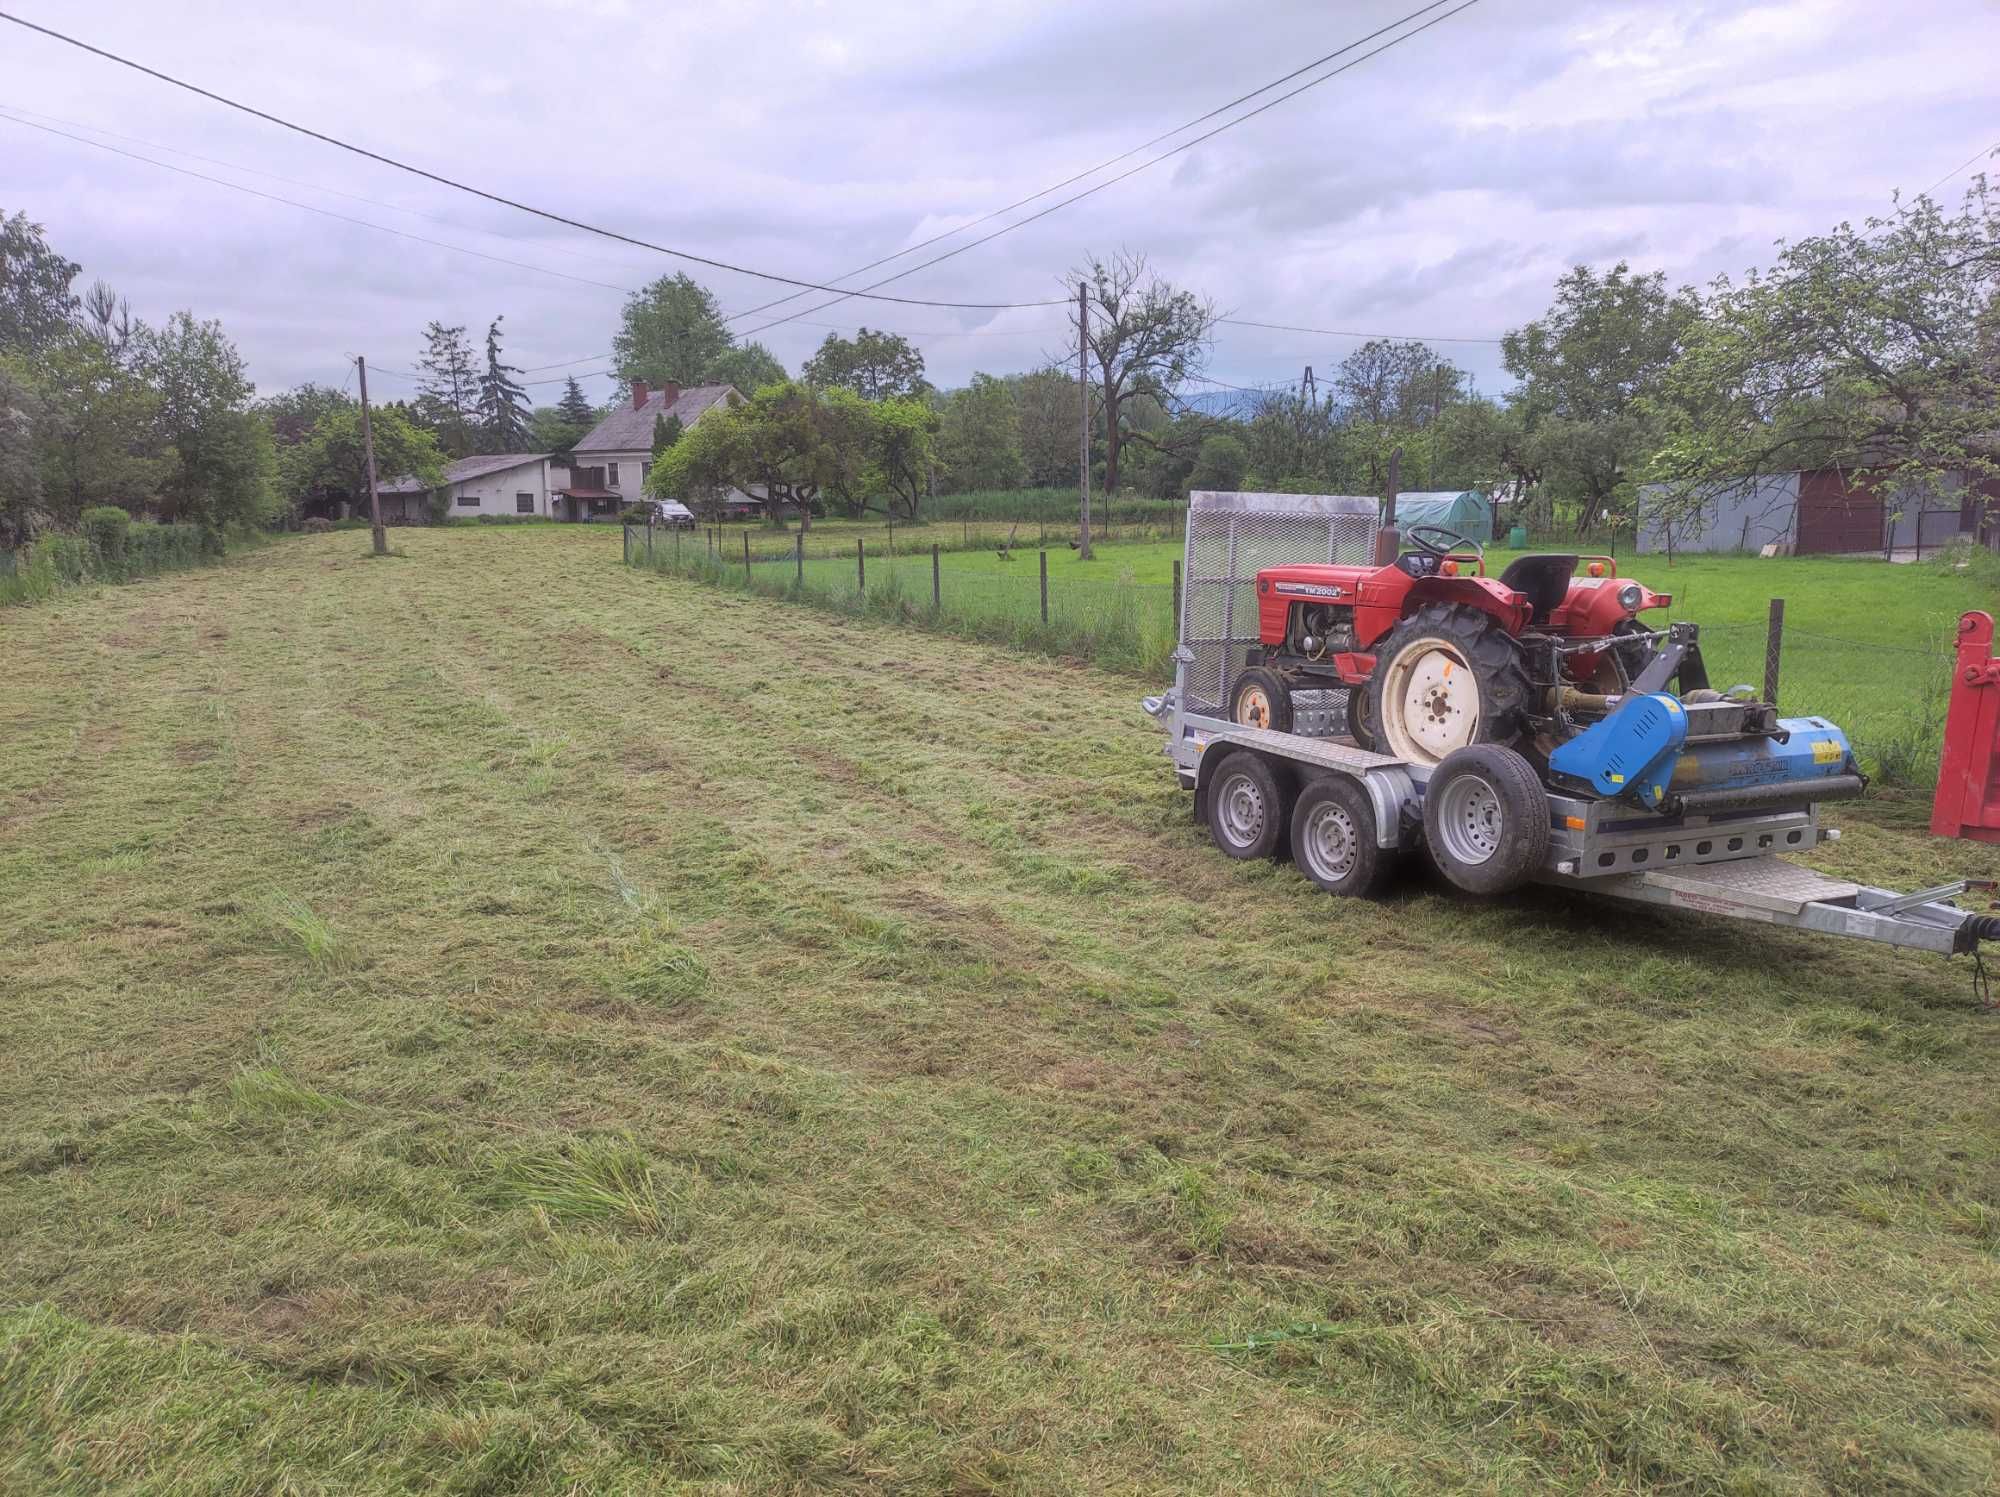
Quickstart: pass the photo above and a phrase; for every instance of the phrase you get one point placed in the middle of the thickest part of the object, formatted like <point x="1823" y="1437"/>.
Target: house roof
<point x="461" y="470"/>
<point x="631" y="430"/>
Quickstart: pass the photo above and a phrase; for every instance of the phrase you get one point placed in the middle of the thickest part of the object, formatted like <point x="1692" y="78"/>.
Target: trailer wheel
<point x="1247" y="807"/>
<point x="1333" y="837"/>
<point x="1260" y="699"/>
<point x="1486" y="819"/>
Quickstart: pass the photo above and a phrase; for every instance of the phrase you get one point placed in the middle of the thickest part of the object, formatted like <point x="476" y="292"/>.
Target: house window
<point x="468" y="501"/>
<point x="524" y="504"/>
<point x="611" y="470"/>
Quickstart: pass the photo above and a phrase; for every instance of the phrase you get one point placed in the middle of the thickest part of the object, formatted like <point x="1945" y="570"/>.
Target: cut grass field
<point x="494" y="1020"/>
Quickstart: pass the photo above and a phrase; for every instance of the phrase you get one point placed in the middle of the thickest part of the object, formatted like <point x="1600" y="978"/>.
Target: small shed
<point x="1467" y="511"/>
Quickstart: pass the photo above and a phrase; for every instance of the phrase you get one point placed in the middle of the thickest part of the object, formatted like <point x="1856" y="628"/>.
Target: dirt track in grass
<point x="494" y="1020"/>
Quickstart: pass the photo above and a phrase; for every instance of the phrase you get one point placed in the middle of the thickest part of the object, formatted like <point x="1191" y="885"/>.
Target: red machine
<point x="1967" y="803"/>
<point x="1435" y="653"/>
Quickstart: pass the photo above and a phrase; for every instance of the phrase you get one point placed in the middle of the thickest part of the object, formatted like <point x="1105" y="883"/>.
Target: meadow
<point x="1868" y="644"/>
<point x="495" y="1020"/>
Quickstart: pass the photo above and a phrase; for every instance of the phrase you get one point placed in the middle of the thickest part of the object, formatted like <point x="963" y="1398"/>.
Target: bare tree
<point x="1146" y="337"/>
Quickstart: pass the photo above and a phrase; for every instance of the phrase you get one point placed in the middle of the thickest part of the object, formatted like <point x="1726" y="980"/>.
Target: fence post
<point x="937" y="586"/>
<point x="649" y="540"/>
<point x="677" y="546"/>
<point x="1045" y="585"/>
<point x="799" y="550"/>
<point x="1774" y="642"/>
<point x="860" y="565"/>
<point x="1177" y="599"/>
<point x="746" y="558"/>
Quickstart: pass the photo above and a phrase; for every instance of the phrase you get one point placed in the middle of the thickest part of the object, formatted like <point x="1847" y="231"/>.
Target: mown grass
<point x="782" y="1052"/>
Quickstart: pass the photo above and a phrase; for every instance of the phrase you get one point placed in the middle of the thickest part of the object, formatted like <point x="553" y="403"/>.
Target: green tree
<point x="575" y="409"/>
<point x="1589" y="371"/>
<point x="1397" y="382"/>
<point x="95" y="438"/>
<point x="789" y="440"/>
<point x="503" y="404"/>
<point x="748" y="366"/>
<point x="1293" y="443"/>
<point x="1222" y="462"/>
<point x="294" y="413"/>
<point x="1876" y="347"/>
<point x="219" y="464"/>
<point x="874" y="365"/>
<point x="979" y="437"/>
<point x="20" y="477"/>
<point x="552" y="432"/>
<point x="901" y="446"/>
<point x="1047" y="407"/>
<point x="670" y="332"/>
<point x="36" y="303"/>
<point x="448" y="398"/>
<point x="333" y="461"/>
<point x="666" y="431"/>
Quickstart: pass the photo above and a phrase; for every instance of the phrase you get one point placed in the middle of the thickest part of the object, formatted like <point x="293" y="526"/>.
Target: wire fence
<point x="1889" y="699"/>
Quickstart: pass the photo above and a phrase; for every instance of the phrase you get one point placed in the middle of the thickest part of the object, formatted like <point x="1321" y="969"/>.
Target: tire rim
<point x="1240" y="810"/>
<point x="1331" y="842"/>
<point x="1470" y="821"/>
<point x="1253" y="707"/>
<point x="1430" y="702"/>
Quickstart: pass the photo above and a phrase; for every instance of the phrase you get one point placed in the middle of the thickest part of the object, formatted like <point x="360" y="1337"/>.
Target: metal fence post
<point x="799" y="550"/>
<point x="1045" y="585"/>
<point x="677" y="545"/>
<point x="746" y="558"/>
<point x="860" y="565"/>
<point x="1774" y="641"/>
<point x="1177" y="598"/>
<point x="649" y="540"/>
<point x="937" y="583"/>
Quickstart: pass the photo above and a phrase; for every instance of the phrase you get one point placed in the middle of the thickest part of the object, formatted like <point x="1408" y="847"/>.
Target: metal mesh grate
<point x="1230" y="538"/>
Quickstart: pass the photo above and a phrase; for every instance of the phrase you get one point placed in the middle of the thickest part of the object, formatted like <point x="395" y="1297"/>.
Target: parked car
<point x="672" y="513"/>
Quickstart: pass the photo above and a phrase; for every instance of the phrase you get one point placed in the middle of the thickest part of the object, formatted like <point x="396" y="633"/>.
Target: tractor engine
<point x="1314" y="631"/>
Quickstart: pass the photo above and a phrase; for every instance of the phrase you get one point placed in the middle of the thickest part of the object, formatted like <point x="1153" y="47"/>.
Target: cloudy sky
<point x="1436" y="190"/>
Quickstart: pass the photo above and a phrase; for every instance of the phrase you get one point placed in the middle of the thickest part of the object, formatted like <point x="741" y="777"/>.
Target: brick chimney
<point x="669" y="393"/>
<point x="640" y="390"/>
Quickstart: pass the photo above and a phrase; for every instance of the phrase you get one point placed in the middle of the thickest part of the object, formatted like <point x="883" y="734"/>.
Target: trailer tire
<point x="1333" y="837"/>
<point x="1486" y="819"/>
<point x="1261" y="699"/>
<point x="1249" y="807"/>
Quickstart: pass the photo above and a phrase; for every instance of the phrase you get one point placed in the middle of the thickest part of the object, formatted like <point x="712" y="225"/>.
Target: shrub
<point x="316" y="526"/>
<point x="105" y="527"/>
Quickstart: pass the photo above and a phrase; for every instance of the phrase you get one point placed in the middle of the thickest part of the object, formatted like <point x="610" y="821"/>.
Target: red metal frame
<point x="1967" y="803"/>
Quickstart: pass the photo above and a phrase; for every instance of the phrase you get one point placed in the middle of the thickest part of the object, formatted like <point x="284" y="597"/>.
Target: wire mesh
<point x="1230" y="538"/>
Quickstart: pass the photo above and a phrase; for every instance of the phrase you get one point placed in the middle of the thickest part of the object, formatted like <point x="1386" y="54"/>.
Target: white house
<point x="505" y="483"/>
<point x="608" y="467"/>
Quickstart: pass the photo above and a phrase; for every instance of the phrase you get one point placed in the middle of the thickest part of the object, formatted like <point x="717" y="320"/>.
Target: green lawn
<point x="1869" y="644"/>
<point x="492" y="1020"/>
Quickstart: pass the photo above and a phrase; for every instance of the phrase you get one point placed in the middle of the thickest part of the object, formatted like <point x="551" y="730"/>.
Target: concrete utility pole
<point x="1083" y="390"/>
<point x="368" y="448"/>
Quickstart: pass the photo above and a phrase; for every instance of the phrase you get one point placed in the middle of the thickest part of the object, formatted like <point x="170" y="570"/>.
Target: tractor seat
<point x="1542" y="580"/>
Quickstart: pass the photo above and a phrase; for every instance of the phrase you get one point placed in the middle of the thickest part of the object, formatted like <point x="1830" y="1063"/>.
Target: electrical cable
<point x="1327" y="332"/>
<point x="1092" y="171"/>
<point x="1186" y="145"/>
<point x="494" y="197"/>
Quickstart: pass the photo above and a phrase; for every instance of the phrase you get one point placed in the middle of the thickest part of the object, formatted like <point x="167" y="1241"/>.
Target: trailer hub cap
<point x="1430" y="702"/>
<point x="1242" y="809"/>
<point x="1470" y="819"/>
<point x="1330" y="843"/>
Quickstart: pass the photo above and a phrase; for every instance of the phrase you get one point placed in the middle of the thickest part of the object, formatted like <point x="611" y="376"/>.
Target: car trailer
<point x="1348" y="815"/>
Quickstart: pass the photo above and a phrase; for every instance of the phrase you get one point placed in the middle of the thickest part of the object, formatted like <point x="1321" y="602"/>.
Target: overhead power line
<point x="1200" y="119"/>
<point x="1327" y="332"/>
<point x="1187" y="145"/>
<point x="1982" y="151"/>
<point x="494" y="197"/>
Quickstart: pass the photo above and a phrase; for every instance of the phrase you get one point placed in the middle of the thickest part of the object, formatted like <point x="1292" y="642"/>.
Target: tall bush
<point x="105" y="526"/>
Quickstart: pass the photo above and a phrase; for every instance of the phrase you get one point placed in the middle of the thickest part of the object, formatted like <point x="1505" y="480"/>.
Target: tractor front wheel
<point x="1260" y="699"/>
<point x="1446" y="677"/>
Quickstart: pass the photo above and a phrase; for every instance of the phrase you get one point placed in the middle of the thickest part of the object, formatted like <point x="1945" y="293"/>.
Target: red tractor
<point x="1436" y="655"/>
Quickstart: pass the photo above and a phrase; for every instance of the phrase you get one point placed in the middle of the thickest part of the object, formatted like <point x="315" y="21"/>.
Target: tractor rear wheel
<point x="1446" y="677"/>
<point x="1260" y="699"/>
<point x="1359" y="728"/>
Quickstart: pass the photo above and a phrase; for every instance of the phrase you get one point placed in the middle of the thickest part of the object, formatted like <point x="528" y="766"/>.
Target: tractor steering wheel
<point x="1438" y="541"/>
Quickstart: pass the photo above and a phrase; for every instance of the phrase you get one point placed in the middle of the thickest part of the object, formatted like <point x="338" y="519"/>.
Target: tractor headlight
<point x="1630" y="596"/>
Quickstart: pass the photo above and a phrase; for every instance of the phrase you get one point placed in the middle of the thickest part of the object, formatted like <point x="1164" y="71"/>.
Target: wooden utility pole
<point x="368" y="450"/>
<point x="1083" y="391"/>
